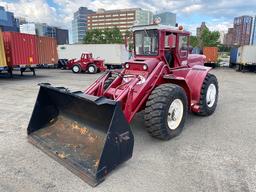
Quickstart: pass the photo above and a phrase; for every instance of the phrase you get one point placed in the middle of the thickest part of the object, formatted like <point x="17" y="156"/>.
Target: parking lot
<point x="215" y="153"/>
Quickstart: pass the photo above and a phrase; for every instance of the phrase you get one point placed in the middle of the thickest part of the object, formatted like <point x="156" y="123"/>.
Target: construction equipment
<point x="86" y="64"/>
<point x="89" y="132"/>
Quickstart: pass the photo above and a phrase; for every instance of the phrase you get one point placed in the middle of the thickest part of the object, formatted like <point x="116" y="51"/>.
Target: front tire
<point x="76" y="69"/>
<point x="166" y="111"/>
<point x="209" y="95"/>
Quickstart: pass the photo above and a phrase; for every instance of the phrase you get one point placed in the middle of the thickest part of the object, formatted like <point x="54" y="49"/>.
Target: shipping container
<point x="20" y="49"/>
<point x="3" y="64"/>
<point x="246" y="55"/>
<point x="233" y="57"/>
<point x="47" y="50"/>
<point x="113" y="54"/>
<point x="211" y="54"/>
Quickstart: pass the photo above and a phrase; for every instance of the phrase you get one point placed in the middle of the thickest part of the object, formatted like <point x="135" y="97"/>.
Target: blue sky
<point x="218" y="14"/>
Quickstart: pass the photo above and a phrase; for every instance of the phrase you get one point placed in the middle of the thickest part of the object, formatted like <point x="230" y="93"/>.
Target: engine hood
<point x="150" y="62"/>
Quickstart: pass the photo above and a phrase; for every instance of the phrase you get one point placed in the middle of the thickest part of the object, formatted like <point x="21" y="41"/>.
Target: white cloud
<point x="192" y="8"/>
<point x="218" y="14"/>
<point x="37" y="11"/>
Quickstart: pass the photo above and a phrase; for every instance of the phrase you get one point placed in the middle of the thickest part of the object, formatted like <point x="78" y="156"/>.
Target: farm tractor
<point x="89" y="133"/>
<point x="86" y="64"/>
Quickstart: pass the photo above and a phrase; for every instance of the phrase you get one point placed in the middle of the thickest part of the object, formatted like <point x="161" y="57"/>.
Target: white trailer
<point x="113" y="54"/>
<point x="246" y="57"/>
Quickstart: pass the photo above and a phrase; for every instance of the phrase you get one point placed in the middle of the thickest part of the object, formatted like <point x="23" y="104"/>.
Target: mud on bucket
<point x="87" y="134"/>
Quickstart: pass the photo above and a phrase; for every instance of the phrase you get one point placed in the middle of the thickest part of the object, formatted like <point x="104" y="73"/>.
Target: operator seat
<point x="169" y="57"/>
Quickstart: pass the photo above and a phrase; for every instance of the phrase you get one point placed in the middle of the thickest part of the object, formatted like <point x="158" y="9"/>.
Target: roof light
<point x="181" y="28"/>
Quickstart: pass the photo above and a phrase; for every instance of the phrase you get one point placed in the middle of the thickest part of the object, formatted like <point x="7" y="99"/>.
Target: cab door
<point x="183" y="49"/>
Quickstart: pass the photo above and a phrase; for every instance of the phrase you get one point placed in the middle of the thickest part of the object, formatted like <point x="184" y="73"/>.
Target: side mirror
<point x="172" y="41"/>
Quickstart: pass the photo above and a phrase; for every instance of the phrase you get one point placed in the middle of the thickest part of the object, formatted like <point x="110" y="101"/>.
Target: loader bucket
<point x="89" y="135"/>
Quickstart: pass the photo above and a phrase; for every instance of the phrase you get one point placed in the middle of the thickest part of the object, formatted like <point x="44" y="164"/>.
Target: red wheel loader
<point x="89" y="132"/>
<point x="86" y="64"/>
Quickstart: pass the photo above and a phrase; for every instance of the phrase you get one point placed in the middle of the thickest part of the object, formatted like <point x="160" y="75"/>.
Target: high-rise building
<point x="7" y="21"/>
<point x="221" y="38"/>
<point x="62" y="36"/>
<point x="229" y="38"/>
<point x="79" y="24"/>
<point x="242" y="30"/>
<point x="167" y="18"/>
<point x="123" y="19"/>
<point x="253" y="32"/>
<point x="200" y="29"/>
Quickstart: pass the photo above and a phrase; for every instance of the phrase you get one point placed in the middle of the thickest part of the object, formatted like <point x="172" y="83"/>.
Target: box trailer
<point x="113" y="54"/>
<point x="233" y="57"/>
<point x="246" y="58"/>
<point x="21" y="51"/>
<point x="211" y="54"/>
<point x="3" y="64"/>
<point x="47" y="51"/>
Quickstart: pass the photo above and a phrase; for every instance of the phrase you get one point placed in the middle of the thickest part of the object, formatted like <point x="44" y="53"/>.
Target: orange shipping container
<point x="47" y="50"/>
<point x="211" y="54"/>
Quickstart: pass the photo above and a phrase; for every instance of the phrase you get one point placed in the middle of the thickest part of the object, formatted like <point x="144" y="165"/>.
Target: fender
<point x="194" y="80"/>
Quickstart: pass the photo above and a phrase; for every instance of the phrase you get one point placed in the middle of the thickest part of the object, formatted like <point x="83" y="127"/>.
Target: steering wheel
<point x="147" y="52"/>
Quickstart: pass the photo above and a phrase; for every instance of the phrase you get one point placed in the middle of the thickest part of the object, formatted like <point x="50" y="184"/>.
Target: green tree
<point x="104" y="36"/>
<point x="194" y="41"/>
<point x="209" y="38"/>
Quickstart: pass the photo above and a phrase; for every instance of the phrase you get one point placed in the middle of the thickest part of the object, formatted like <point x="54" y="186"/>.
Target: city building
<point x="242" y="30"/>
<point x="166" y="18"/>
<point x="79" y="24"/>
<point x="123" y="19"/>
<point x="200" y="29"/>
<point x="28" y="28"/>
<point x="62" y="36"/>
<point x="7" y="21"/>
<point x="229" y="38"/>
<point x="253" y="32"/>
<point x="22" y="20"/>
<point x="222" y="36"/>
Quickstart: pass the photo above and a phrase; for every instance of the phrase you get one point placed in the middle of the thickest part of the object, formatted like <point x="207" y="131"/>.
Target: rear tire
<point x="166" y="111"/>
<point x="209" y="95"/>
<point x="92" y="69"/>
<point x="76" y="69"/>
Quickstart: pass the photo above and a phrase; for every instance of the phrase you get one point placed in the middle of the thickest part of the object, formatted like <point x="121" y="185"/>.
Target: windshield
<point x="146" y="42"/>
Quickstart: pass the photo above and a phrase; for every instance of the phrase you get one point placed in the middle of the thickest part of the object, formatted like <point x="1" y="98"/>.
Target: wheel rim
<point x="76" y="69"/>
<point x="175" y="114"/>
<point x="91" y="69"/>
<point x="211" y="95"/>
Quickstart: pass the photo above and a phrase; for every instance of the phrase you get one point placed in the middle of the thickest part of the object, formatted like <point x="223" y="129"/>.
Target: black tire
<point x="110" y="80"/>
<point x="75" y="67"/>
<point x="205" y="109"/>
<point x="157" y="111"/>
<point x="93" y="67"/>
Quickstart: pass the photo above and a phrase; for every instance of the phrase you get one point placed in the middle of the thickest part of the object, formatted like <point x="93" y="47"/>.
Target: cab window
<point x="183" y="46"/>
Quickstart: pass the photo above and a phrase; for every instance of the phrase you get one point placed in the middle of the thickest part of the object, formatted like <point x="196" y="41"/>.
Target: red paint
<point x="20" y="49"/>
<point x="186" y="71"/>
<point x="47" y="50"/>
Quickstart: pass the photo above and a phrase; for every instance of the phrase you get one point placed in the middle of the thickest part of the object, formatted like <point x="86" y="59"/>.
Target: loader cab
<point x="87" y="56"/>
<point x="169" y="44"/>
<point x="176" y="48"/>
